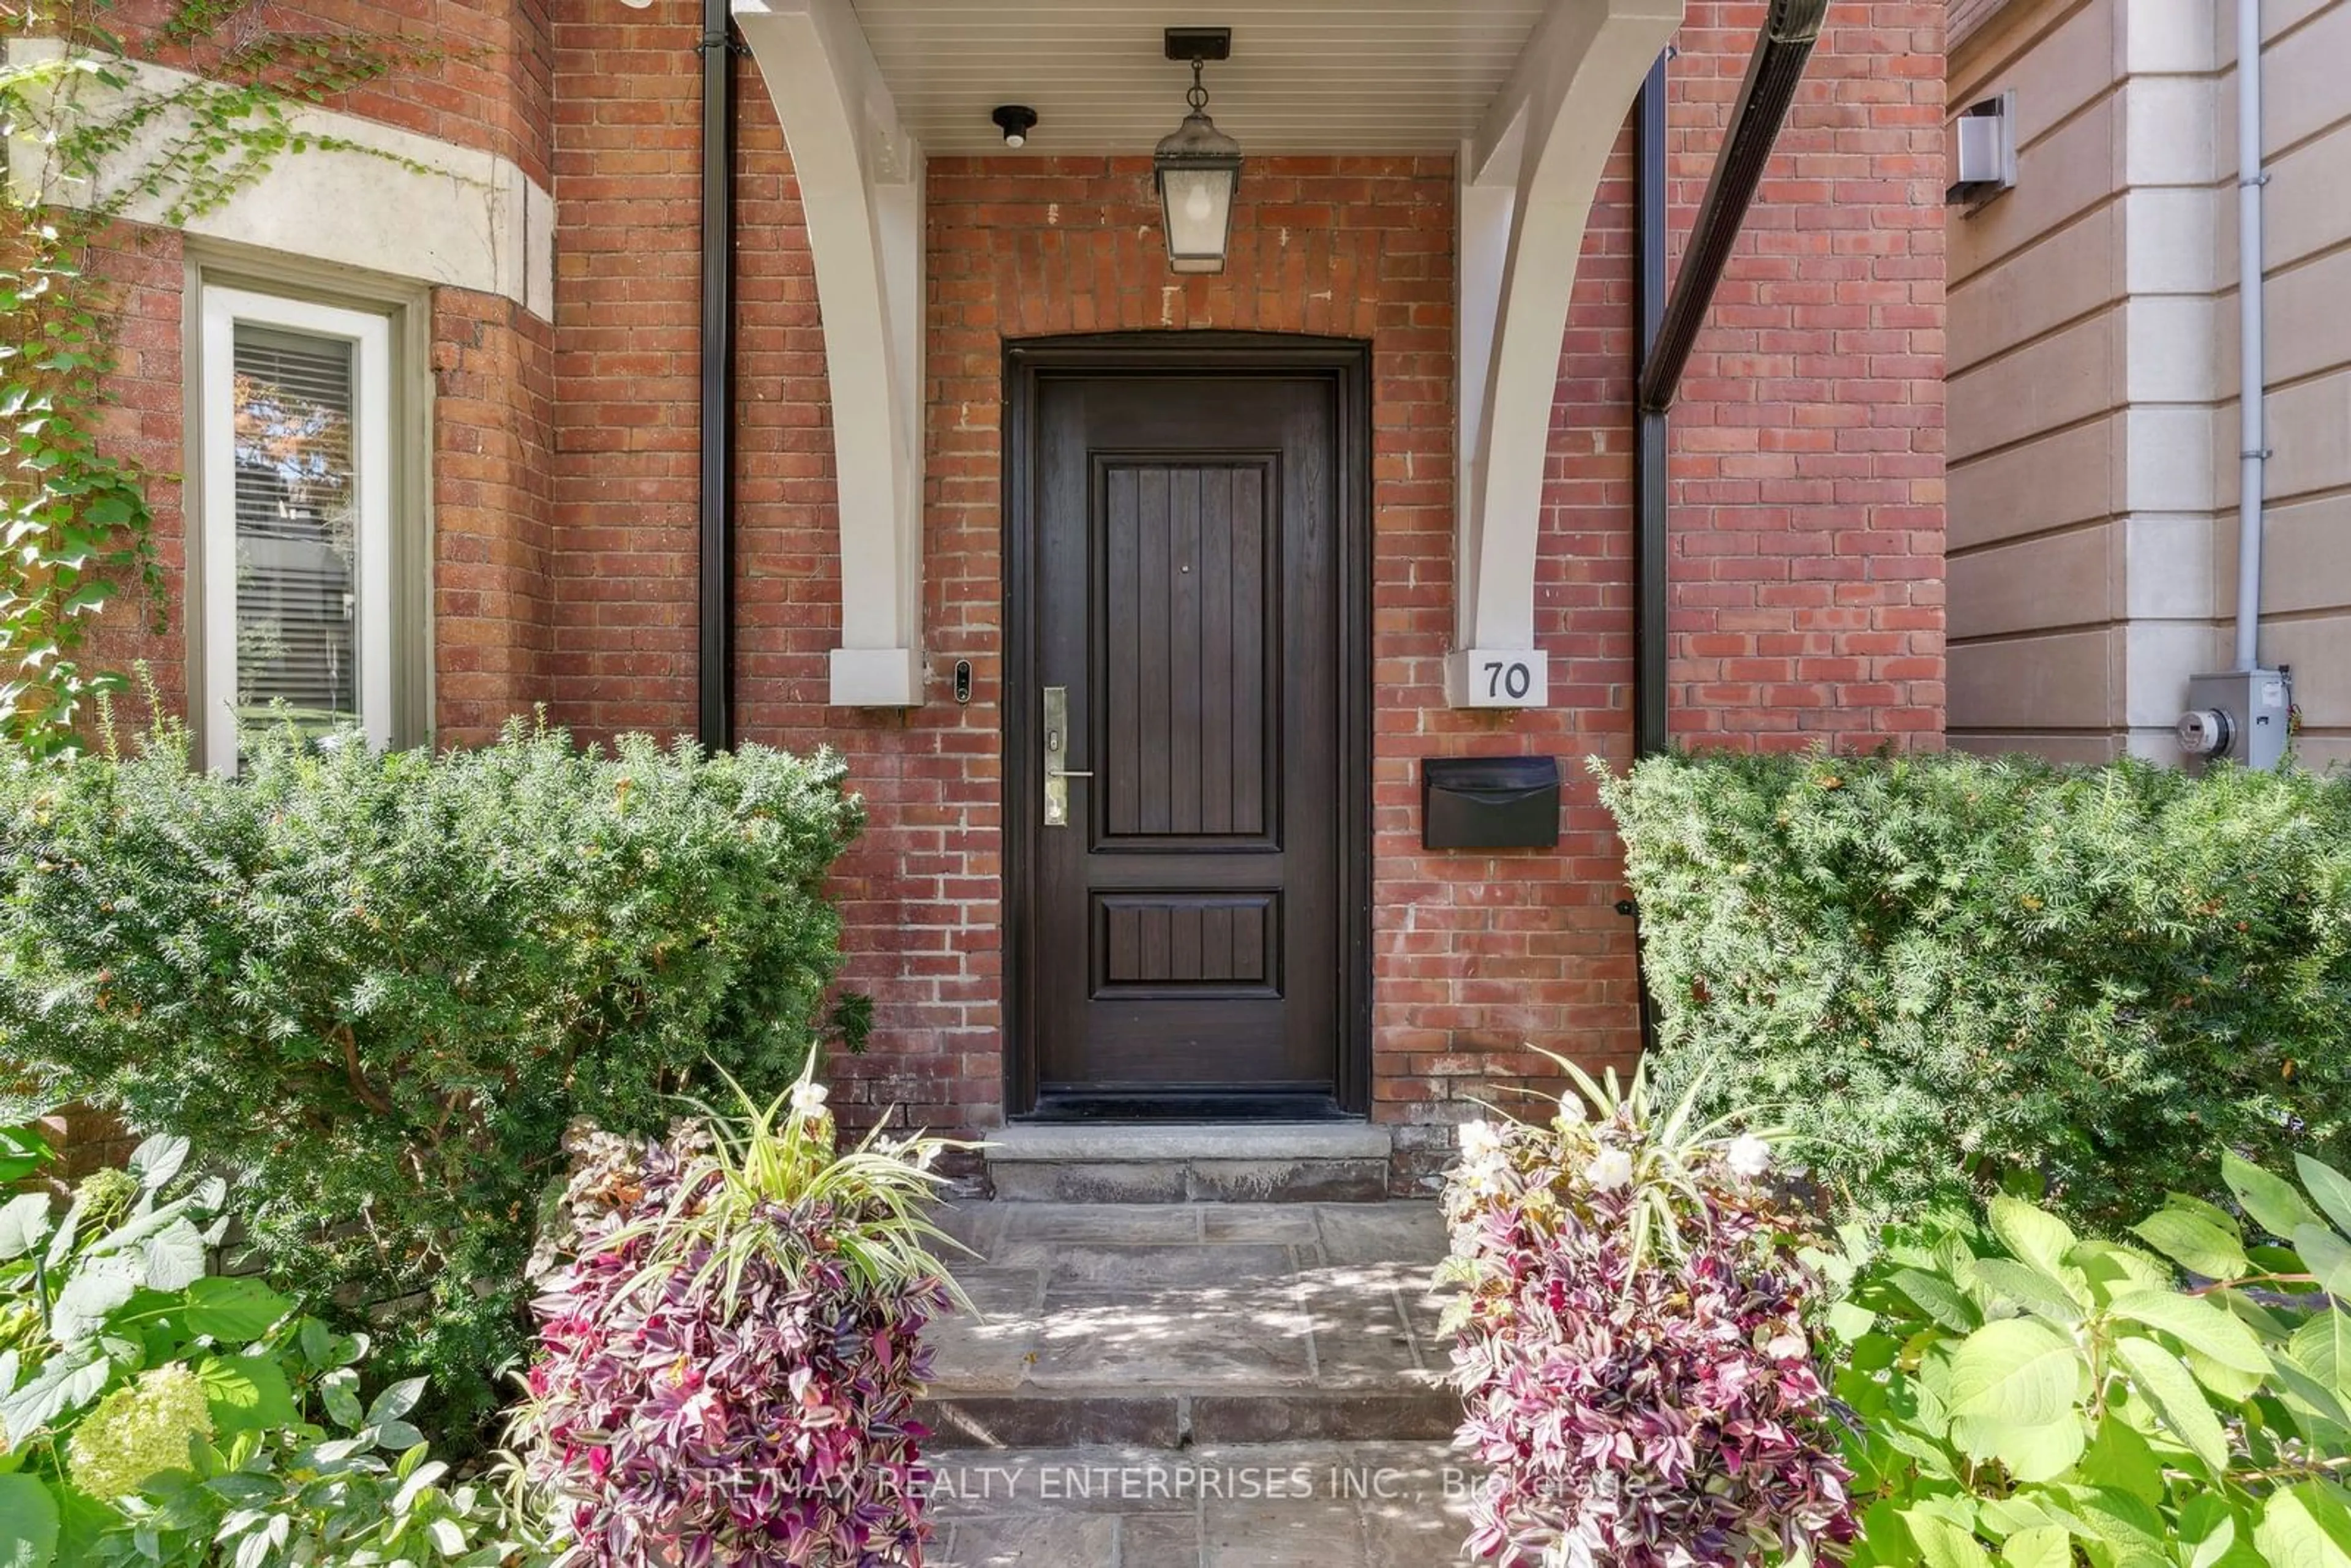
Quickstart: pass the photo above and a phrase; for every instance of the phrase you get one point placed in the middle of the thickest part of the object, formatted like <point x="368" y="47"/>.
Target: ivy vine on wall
<point x="86" y="144"/>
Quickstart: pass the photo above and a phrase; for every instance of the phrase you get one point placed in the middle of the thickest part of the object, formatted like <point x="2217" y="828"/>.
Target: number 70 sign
<point x="1498" y="677"/>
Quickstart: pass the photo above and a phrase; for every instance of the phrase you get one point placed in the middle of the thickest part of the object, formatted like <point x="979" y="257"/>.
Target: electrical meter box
<point x="2244" y="715"/>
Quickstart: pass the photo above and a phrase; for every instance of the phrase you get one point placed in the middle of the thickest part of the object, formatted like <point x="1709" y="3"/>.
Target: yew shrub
<point x="376" y="987"/>
<point x="1956" y="974"/>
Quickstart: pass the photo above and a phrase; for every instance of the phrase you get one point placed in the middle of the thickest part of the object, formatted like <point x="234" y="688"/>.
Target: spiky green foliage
<point x="381" y="986"/>
<point x="1957" y="973"/>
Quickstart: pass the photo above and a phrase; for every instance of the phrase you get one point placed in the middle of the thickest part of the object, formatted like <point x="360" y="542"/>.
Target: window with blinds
<point x="297" y="528"/>
<point x="296" y="547"/>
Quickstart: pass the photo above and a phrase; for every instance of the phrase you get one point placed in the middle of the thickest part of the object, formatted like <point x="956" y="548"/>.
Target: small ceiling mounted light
<point x="1198" y="165"/>
<point x="1016" y="120"/>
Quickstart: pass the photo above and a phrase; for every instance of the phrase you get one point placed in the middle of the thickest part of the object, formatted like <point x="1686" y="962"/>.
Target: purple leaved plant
<point x="728" y="1367"/>
<point x="1633" y="1350"/>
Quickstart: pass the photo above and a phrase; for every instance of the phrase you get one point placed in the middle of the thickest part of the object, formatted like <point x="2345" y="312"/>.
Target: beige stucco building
<point x="2093" y="372"/>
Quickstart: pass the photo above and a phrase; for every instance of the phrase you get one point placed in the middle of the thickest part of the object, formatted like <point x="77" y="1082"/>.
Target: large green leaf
<point x="2322" y="1345"/>
<point x="2040" y="1453"/>
<point x="1939" y="1298"/>
<point x="2127" y="1529"/>
<point x="1943" y="1544"/>
<point x="2123" y="1459"/>
<point x="2310" y="1399"/>
<point x="2032" y="1235"/>
<point x="245" y="1394"/>
<point x="66" y="1382"/>
<point x="234" y="1310"/>
<point x="2325" y="1255"/>
<point x="2197" y="1324"/>
<point x="2025" y="1286"/>
<point x="2016" y="1372"/>
<point x="2304" y="1526"/>
<point x="2013" y="1385"/>
<point x="90" y="1297"/>
<point x="2329" y="1187"/>
<point x="23" y="1224"/>
<point x="28" y="1522"/>
<point x="2196" y="1245"/>
<point x="173" y="1258"/>
<point x="23" y="1151"/>
<point x="2212" y="1533"/>
<point x="158" y="1160"/>
<point x="2042" y="1546"/>
<point x="2271" y="1199"/>
<point x="2171" y="1389"/>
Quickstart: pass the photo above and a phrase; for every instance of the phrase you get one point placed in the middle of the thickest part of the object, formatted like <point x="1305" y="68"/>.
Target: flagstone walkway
<point x="1206" y="1384"/>
<point x="1292" y="1505"/>
<point x="1164" y="1326"/>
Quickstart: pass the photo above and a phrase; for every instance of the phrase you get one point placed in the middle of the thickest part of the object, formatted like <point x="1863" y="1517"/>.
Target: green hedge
<point x="1951" y="971"/>
<point x="377" y="987"/>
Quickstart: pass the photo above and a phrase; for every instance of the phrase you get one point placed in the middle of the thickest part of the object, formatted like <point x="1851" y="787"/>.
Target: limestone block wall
<point x="2093" y="419"/>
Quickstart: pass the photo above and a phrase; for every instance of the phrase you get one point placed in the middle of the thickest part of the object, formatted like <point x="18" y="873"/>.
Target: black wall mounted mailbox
<point x="1490" y="802"/>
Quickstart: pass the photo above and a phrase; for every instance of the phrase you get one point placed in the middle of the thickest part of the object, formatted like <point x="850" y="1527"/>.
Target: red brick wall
<point x="1808" y="445"/>
<point x="491" y="364"/>
<point x="1807" y="477"/>
<point x="627" y="200"/>
<point x="485" y="78"/>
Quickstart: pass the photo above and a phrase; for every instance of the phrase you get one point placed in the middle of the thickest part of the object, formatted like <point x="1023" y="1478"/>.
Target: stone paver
<point x="1172" y="1324"/>
<point x="1194" y="1297"/>
<point x="1310" y="1505"/>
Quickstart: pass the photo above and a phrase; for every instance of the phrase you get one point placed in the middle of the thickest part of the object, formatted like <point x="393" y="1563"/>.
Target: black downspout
<point x="1773" y="73"/>
<point x="714" y="613"/>
<point x="1649" y="445"/>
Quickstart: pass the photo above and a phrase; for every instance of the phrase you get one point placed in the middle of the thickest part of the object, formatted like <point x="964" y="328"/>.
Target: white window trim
<point x="371" y="429"/>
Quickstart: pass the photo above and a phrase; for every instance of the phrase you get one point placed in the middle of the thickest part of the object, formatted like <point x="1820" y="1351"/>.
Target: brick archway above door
<point x="1527" y="148"/>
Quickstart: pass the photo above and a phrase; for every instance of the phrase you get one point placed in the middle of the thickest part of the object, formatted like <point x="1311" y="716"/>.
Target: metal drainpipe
<point x="1773" y="73"/>
<point x="1650" y="442"/>
<point x="714" y="501"/>
<point x="2251" y="385"/>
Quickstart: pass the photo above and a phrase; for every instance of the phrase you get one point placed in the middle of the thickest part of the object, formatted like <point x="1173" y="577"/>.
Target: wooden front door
<point x="1187" y="729"/>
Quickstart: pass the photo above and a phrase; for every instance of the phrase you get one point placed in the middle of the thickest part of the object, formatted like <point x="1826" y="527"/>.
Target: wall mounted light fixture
<point x="1197" y="166"/>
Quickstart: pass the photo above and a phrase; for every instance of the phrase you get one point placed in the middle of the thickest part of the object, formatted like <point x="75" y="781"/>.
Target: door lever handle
<point x="1057" y="741"/>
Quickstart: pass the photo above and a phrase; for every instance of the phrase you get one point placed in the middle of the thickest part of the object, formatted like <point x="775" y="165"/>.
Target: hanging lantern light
<point x="1197" y="166"/>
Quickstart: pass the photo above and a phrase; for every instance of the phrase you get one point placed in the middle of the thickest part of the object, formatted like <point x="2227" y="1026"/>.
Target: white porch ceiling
<point x="1306" y="75"/>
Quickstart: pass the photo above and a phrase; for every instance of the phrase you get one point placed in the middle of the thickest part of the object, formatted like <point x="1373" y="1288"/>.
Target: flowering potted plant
<point x="1632" y="1341"/>
<point x="729" y="1364"/>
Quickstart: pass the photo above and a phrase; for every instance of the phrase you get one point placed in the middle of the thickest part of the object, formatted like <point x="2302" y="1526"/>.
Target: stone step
<point x="1165" y="1326"/>
<point x="1228" y="1162"/>
<point x="1385" y="1504"/>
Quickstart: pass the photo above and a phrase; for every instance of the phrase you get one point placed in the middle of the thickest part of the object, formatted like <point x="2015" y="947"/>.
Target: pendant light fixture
<point x="1197" y="166"/>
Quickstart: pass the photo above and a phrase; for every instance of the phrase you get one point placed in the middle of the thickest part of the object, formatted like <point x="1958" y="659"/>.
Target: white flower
<point x="1571" y="1111"/>
<point x="1480" y="1141"/>
<point x="138" y="1432"/>
<point x="809" y="1099"/>
<point x="926" y="1156"/>
<point x="1610" y="1169"/>
<point x="1786" y="1347"/>
<point x="1749" y="1156"/>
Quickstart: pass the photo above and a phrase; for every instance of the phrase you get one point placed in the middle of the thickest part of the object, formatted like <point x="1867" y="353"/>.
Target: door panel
<point x="1188" y="924"/>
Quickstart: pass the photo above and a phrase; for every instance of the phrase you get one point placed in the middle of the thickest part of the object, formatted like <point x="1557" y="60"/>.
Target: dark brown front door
<point x="1186" y="915"/>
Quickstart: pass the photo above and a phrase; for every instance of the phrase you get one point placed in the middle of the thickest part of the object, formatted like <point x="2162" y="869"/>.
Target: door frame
<point x="1345" y="364"/>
